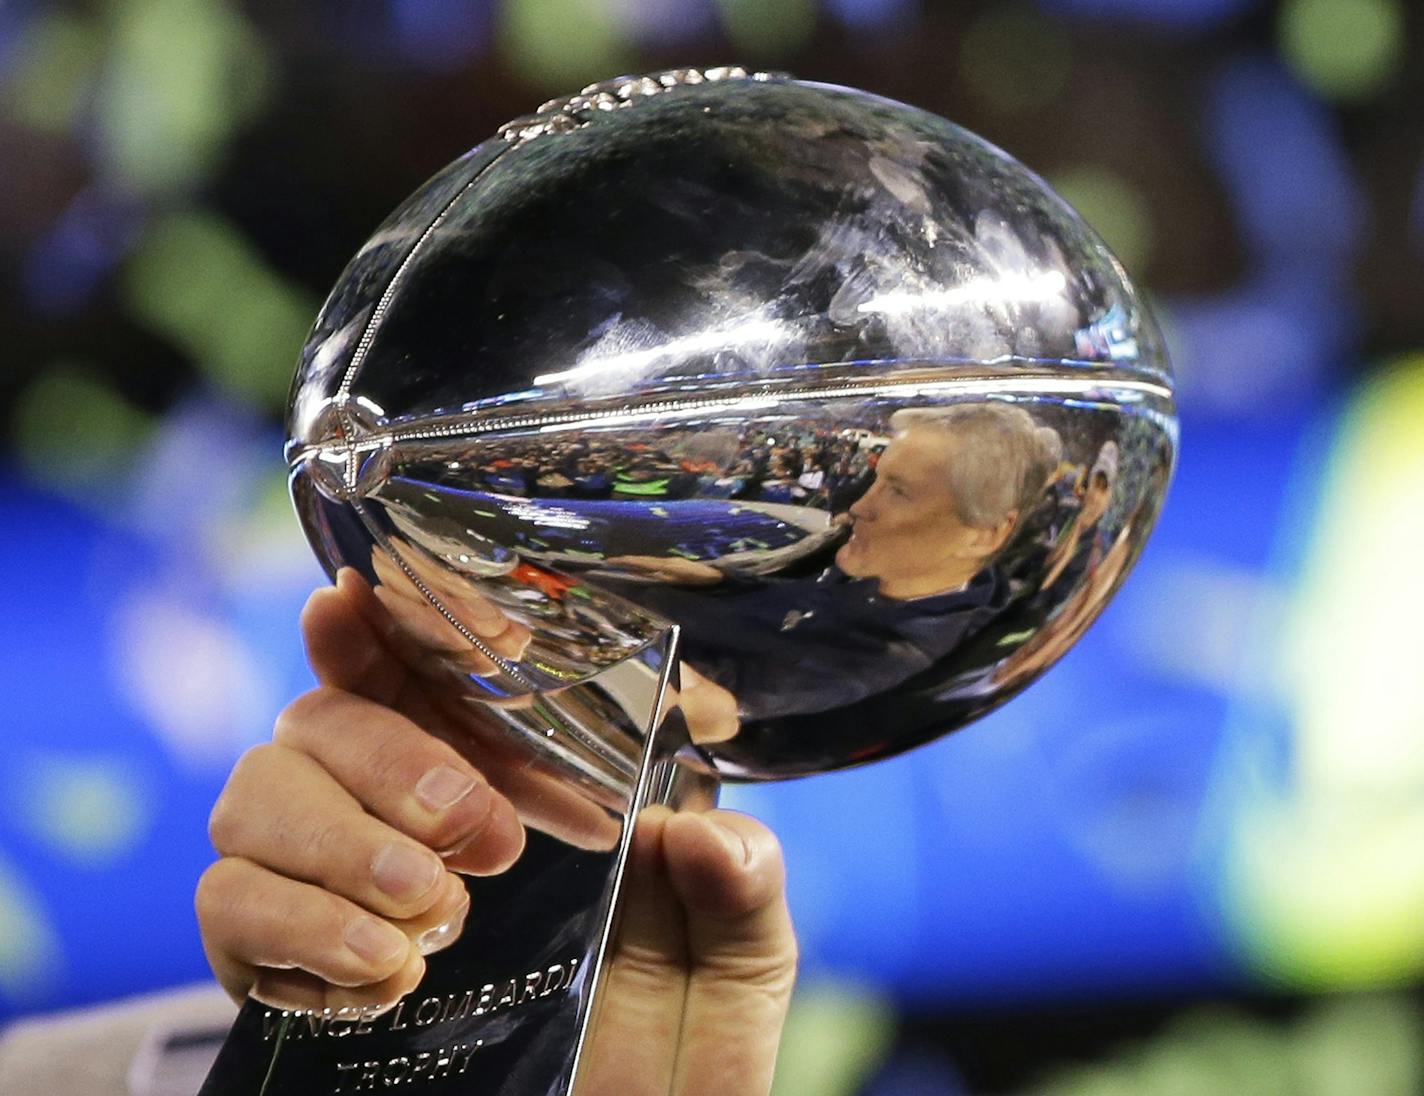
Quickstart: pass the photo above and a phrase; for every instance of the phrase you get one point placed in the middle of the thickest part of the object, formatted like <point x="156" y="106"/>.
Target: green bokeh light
<point x="1341" y="1047"/>
<point x="836" y="1036"/>
<point x="55" y="65"/>
<point x="29" y="946"/>
<point x="1117" y="210"/>
<point x="194" y="279"/>
<point x="1345" y="49"/>
<point x="1371" y="1044"/>
<point x="564" y="44"/>
<point x="73" y="429"/>
<point x="1323" y="878"/>
<point x="90" y="810"/>
<point x="180" y="76"/>
<point x="1015" y="59"/>
<point x="767" y="28"/>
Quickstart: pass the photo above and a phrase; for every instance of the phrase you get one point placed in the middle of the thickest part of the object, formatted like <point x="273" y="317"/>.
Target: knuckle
<point x="231" y="811"/>
<point x="215" y="893"/>
<point x="319" y="945"/>
<point x="342" y="858"/>
<point x="772" y="970"/>
<point x="222" y="823"/>
<point x="643" y="968"/>
<point x="294" y="722"/>
<point x="255" y="765"/>
<point x="225" y="821"/>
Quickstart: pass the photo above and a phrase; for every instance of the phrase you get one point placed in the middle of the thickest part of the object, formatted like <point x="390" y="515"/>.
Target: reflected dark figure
<point x="1083" y="544"/>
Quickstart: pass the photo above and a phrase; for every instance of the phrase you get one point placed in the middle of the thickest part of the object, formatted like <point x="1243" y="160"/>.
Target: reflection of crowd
<point x="802" y="462"/>
<point x="1066" y="535"/>
<point x="799" y="463"/>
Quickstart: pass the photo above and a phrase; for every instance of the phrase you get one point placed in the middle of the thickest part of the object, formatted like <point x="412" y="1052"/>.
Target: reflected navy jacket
<point x="813" y="644"/>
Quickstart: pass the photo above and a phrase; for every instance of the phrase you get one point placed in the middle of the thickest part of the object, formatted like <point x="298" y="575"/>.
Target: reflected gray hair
<point x="1005" y="463"/>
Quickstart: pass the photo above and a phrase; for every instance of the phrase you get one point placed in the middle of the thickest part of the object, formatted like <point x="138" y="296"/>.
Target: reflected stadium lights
<point x="1018" y="287"/>
<point x="740" y="404"/>
<point x="751" y="332"/>
<point x="554" y="517"/>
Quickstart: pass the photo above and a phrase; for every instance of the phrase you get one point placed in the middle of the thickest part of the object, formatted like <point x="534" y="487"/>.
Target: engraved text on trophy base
<point x="433" y="1065"/>
<point x="337" y="1023"/>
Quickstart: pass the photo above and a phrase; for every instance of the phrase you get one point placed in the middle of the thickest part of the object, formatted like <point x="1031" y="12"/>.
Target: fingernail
<point x="740" y="851"/>
<point x="432" y="940"/>
<point x="375" y="941"/>
<point x="443" y="786"/>
<point x="404" y="872"/>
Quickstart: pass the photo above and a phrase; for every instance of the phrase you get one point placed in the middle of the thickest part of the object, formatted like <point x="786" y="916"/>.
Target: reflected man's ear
<point x="989" y="539"/>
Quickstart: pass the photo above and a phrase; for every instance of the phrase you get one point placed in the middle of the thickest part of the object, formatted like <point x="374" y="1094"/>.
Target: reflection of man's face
<point x="905" y="531"/>
<point x="1095" y="499"/>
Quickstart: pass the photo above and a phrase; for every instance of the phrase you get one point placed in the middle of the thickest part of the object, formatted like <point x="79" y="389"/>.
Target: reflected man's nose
<point x="863" y="508"/>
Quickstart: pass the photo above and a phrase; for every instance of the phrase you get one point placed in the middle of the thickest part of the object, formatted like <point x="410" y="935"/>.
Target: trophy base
<point x="507" y="1008"/>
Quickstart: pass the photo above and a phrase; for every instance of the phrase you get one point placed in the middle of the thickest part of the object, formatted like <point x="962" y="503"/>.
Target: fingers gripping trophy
<point x="702" y="426"/>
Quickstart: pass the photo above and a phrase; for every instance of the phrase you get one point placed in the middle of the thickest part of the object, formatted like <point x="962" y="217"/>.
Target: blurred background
<point x="1190" y="860"/>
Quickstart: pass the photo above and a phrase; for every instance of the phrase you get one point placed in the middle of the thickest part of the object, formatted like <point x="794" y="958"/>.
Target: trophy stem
<point x="506" y="1010"/>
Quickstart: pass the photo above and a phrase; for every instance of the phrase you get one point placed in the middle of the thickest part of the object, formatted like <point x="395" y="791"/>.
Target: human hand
<point x="339" y="839"/>
<point x="673" y="569"/>
<point x="704" y="966"/>
<point x="708" y="709"/>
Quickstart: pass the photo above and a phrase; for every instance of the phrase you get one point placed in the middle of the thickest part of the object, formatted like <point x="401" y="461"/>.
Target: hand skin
<point x="674" y="569"/>
<point x="340" y="841"/>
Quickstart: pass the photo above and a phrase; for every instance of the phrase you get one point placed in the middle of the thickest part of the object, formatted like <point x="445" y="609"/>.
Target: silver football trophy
<point x="796" y="393"/>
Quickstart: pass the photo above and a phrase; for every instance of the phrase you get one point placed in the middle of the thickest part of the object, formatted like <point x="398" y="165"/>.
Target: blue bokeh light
<point x="875" y="14"/>
<point x="1278" y="153"/>
<point x="439" y="34"/>
<point x="80" y="249"/>
<point x="1184" y="15"/>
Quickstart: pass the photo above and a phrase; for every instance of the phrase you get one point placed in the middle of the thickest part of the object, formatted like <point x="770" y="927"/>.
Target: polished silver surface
<point x="841" y="390"/>
<point x="699" y="425"/>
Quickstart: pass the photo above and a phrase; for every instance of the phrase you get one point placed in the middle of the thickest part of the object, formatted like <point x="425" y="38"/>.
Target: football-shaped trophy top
<point x="844" y="392"/>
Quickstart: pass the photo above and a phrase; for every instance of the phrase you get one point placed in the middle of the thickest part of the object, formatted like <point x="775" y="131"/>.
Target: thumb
<point x="632" y="1047"/>
<point x="727" y="870"/>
